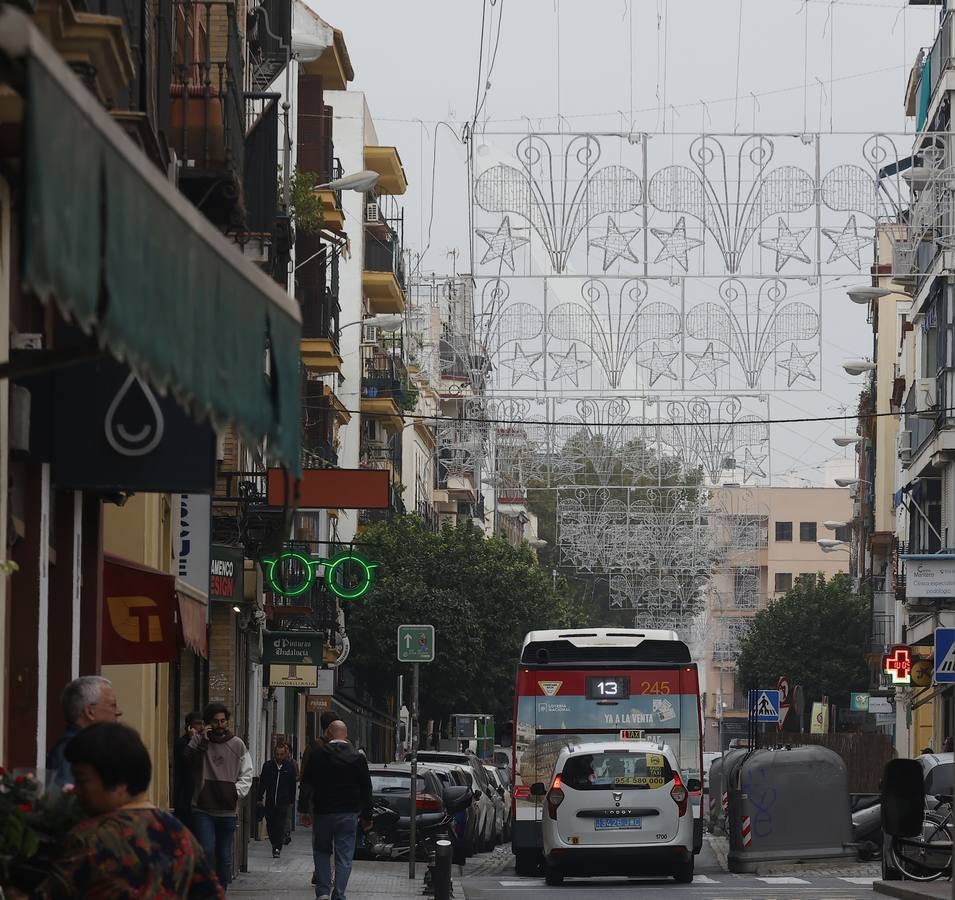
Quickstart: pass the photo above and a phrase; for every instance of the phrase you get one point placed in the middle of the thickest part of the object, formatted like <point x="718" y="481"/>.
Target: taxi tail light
<point x="679" y="793"/>
<point x="428" y="803"/>
<point x="555" y="796"/>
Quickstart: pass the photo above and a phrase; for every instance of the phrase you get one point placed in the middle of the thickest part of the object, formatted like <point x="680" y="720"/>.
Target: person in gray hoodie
<point x="223" y="777"/>
<point x="337" y="776"/>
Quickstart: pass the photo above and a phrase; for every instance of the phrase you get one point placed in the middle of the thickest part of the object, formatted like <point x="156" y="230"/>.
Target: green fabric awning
<point x="126" y="257"/>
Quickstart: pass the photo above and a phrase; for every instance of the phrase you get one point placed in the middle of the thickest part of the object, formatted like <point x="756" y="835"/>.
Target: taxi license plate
<point x="618" y="822"/>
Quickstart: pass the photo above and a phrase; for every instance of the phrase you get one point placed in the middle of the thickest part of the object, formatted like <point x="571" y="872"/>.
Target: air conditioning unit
<point x="905" y="446"/>
<point x="372" y="212"/>
<point x="926" y="398"/>
<point x="856" y="509"/>
<point x="369" y="334"/>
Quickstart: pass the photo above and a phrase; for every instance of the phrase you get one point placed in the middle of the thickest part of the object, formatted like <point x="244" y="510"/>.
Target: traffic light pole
<point x="413" y="793"/>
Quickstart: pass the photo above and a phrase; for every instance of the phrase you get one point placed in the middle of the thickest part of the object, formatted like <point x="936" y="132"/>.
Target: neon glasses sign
<point x="348" y="575"/>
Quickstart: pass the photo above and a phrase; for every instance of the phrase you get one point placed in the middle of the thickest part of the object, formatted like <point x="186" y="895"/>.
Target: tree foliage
<point x="482" y="596"/>
<point x="816" y="634"/>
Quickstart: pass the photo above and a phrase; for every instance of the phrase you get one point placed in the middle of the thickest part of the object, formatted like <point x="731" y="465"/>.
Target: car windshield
<point x="614" y="768"/>
<point x="939" y="779"/>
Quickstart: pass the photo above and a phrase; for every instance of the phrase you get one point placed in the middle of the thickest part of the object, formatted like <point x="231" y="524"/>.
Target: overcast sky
<point x="641" y="65"/>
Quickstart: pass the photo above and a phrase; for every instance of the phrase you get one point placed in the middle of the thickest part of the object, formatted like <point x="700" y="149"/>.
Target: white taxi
<point x="617" y="808"/>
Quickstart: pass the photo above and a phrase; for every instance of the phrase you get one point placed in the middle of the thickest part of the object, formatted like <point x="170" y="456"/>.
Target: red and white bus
<point x="592" y="684"/>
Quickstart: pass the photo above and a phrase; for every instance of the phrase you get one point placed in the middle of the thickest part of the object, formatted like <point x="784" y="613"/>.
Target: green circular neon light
<point x="307" y="582"/>
<point x="363" y="586"/>
<point x="332" y="567"/>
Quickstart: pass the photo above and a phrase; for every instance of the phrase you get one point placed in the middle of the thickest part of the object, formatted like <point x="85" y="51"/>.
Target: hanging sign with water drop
<point x="112" y="431"/>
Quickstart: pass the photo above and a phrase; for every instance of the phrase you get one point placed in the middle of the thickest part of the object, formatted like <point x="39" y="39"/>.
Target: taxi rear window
<point x="630" y="770"/>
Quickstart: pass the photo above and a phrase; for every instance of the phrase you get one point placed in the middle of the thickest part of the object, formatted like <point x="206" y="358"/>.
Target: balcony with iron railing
<point x="316" y="289"/>
<point x="207" y="107"/>
<point x="269" y="33"/>
<point x="383" y="274"/>
<point x="396" y="507"/>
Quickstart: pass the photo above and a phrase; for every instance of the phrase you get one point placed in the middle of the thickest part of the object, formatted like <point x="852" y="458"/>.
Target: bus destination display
<point x="615" y="687"/>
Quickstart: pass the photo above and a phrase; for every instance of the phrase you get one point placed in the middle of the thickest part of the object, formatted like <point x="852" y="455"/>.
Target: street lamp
<point x="865" y="293"/>
<point x="850" y="482"/>
<point x="362" y="181"/>
<point x="828" y="545"/>
<point x="832" y="525"/>
<point x="387" y="322"/>
<point x="846" y="440"/>
<point x="859" y="366"/>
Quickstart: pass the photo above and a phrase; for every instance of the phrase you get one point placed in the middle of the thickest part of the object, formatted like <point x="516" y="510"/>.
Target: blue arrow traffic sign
<point x="945" y="655"/>
<point x="764" y="705"/>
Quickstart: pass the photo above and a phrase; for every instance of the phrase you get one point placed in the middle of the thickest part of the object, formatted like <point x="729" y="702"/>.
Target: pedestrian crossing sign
<point x="764" y="705"/>
<point x="945" y="655"/>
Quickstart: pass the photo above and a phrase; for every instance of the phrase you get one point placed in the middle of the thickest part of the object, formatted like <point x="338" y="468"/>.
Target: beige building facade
<point x="771" y="534"/>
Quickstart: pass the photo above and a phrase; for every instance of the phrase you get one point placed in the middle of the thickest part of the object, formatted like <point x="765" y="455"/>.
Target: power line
<point x="676" y="423"/>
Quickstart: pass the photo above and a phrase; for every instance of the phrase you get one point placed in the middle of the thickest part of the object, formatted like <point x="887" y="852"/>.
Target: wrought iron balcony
<point x="396" y="507"/>
<point x="384" y="253"/>
<point x="207" y="108"/>
<point x="383" y="376"/>
<point x="269" y="31"/>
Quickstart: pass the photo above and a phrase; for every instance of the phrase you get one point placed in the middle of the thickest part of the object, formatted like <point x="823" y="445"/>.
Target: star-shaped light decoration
<point x="660" y="364"/>
<point x="707" y="364"/>
<point x="676" y="245"/>
<point x="522" y="364"/>
<point x="501" y="244"/>
<point x="797" y="366"/>
<point x="752" y="465"/>
<point x="787" y="244"/>
<point x="616" y="243"/>
<point x="568" y="365"/>
<point x="847" y="242"/>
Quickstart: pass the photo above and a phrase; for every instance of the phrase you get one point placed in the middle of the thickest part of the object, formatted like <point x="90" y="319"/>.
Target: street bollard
<point x="442" y="871"/>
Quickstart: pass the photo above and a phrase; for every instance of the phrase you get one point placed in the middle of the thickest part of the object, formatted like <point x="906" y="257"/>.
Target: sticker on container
<point x="655" y="761"/>
<point x="651" y="781"/>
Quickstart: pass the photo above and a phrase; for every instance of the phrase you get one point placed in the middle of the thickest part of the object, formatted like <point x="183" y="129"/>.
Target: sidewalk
<point x="915" y="890"/>
<point x="290" y="876"/>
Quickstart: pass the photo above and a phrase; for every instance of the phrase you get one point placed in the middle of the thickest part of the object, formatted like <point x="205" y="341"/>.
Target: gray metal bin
<point x="719" y="797"/>
<point x="788" y="804"/>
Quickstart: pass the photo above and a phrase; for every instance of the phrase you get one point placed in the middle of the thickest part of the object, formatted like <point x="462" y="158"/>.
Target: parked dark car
<point x="480" y="784"/>
<point x="457" y="778"/>
<point x="391" y="787"/>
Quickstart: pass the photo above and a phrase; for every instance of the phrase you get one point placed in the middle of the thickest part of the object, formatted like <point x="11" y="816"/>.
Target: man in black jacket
<point x="337" y="775"/>
<point x="183" y="783"/>
<point x="277" y="794"/>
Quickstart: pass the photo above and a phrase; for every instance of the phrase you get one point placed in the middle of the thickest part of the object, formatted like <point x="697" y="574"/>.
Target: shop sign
<point x="292" y="676"/>
<point x="139" y="622"/>
<point x="191" y="543"/>
<point x="113" y="432"/>
<point x="318" y="703"/>
<point x="225" y="574"/>
<point x="929" y="576"/>
<point x="292" y="647"/>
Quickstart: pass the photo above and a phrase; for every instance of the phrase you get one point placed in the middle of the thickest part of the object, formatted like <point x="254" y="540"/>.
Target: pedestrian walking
<point x="276" y="795"/>
<point x="87" y="699"/>
<point x="223" y="777"/>
<point x="183" y="783"/>
<point x="340" y="785"/>
<point x="128" y="847"/>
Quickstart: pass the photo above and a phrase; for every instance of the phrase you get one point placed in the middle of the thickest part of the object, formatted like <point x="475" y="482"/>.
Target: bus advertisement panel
<point x="597" y="698"/>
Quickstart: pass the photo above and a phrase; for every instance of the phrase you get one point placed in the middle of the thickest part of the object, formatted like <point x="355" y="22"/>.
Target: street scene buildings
<point x="299" y="349"/>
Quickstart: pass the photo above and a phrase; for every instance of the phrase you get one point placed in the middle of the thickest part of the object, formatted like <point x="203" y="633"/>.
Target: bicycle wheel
<point x="921" y="858"/>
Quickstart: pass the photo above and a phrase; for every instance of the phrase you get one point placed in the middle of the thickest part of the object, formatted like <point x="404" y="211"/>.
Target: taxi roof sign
<point x="631" y="734"/>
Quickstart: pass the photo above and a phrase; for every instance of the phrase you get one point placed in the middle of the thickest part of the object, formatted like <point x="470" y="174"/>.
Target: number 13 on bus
<point x="599" y="685"/>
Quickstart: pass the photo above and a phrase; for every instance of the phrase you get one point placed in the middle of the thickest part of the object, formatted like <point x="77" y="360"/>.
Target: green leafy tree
<point x="816" y="634"/>
<point x="482" y="596"/>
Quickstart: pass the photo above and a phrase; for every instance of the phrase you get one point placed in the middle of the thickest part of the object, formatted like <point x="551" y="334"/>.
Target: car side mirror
<point x="903" y="798"/>
<point x="538" y="789"/>
<point x="694" y="785"/>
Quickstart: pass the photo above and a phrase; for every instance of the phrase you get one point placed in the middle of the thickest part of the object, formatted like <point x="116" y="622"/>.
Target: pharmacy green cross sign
<point x="416" y="643"/>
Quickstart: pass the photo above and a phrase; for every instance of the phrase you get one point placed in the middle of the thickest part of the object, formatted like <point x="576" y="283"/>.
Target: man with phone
<point x="224" y="777"/>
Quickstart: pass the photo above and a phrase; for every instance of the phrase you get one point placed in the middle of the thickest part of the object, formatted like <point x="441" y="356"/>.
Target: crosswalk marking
<point x="865" y="882"/>
<point x="783" y="879"/>
<point x="704" y="879"/>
